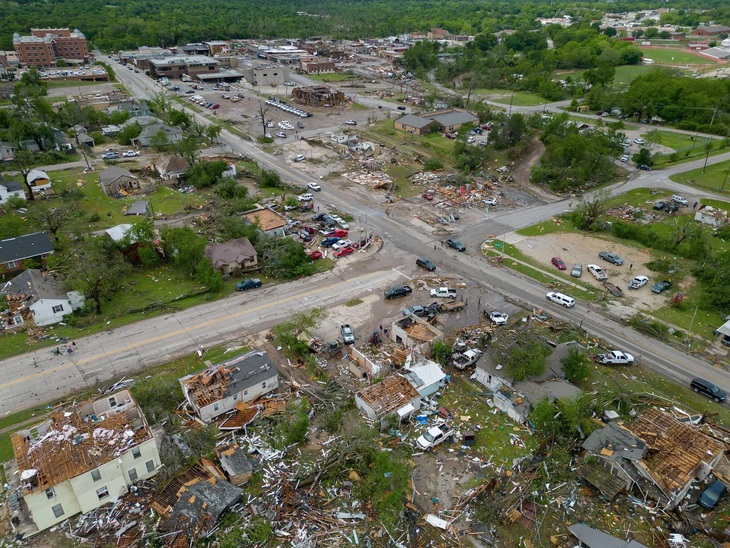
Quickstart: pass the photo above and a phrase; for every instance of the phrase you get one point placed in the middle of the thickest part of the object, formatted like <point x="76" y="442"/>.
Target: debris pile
<point x="374" y="179"/>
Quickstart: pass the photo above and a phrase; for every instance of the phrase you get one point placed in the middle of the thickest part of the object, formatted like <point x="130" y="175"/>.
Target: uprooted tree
<point x="293" y="335"/>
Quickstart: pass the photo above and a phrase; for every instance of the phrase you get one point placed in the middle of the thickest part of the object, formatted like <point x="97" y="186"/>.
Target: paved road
<point x="150" y="342"/>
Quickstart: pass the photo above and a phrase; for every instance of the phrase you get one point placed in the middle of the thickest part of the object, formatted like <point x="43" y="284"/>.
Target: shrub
<point x="575" y="365"/>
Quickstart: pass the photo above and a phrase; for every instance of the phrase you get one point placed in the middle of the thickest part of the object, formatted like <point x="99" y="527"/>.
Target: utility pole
<point x="725" y="180"/>
<point x="510" y="103"/>
<point x="707" y="156"/>
<point x="689" y="332"/>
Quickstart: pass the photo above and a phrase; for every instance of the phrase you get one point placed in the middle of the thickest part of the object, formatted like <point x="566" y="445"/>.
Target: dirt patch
<point x="580" y="248"/>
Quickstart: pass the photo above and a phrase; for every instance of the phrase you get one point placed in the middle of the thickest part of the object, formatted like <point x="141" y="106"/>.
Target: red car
<point x="558" y="263"/>
<point x="339" y="232"/>
<point x="344" y="251"/>
<point x="314" y="255"/>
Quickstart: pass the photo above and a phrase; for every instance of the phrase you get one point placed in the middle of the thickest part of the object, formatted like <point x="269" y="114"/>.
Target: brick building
<point x="44" y="47"/>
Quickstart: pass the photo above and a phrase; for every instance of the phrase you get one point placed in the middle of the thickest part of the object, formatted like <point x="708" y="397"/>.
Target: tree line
<point x="114" y="25"/>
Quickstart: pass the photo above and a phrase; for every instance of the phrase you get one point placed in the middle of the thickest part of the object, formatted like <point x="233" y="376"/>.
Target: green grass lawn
<point x="672" y="56"/>
<point x="164" y="201"/>
<point x="400" y="174"/>
<point x="431" y="145"/>
<point x="719" y="204"/>
<point x="74" y="83"/>
<point x="518" y="98"/>
<point x="677" y="141"/>
<point x="333" y="77"/>
<point x="716" y="177"/>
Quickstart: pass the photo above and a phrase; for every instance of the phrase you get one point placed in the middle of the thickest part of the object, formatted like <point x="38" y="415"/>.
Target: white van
<point x="566" y="300"/>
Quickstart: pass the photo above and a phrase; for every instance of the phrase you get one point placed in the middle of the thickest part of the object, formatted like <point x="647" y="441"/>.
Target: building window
<point x="57" y="510"/>
<point x="112" y="402"/>
<point x="215" y="407"/>
<point x="150" y="465"/>
<point x="95" y="475"/>
<point x="58" y="308"/>
<point x="102" y="493"/>
<point x="12" y="264"/>
<point x="245" y="392"/>
<point x="136" y="453"/>
<point x="51" y="493"/>
<point x="133" y="475"/>
<point x="263" y="384"/>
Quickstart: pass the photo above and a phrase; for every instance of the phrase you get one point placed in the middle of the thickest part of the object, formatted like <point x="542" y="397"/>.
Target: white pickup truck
<point x="444" y="293"/>
<point x="434" y="436"/>
<point x="598" y="273"/>
<point x="615" y="357"/>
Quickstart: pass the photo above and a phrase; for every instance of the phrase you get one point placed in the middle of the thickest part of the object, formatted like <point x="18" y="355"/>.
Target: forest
<point x="116" y="24"/>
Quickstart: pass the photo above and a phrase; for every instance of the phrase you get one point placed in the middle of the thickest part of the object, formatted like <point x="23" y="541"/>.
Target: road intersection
<point x="39" y="377"/>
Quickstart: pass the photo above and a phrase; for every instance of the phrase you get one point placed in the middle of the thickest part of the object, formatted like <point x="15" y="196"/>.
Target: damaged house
<point x="219" y="388"/>
<point x="414" y="332"/>
<point x="318" y="96"/>
<point x="232" y="256"/>
<point x="660" y="454"/>
<point x="35" y="297"/>
<point x="192" y="502"/>
<point x="393" y="395"/>
<point x="79" y="459"/>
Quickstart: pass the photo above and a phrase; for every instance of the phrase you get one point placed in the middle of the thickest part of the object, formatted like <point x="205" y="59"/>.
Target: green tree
<point x="643" y="157"/>
<point x="184" y="247"/>
<point x="293" y="335"/>
<point x="179" y="118"/>
<point x="95" y="270"/>
<point x="25" y="161"/>
<point x="526" y="359"/>
<point x="206" y="174"/>
<point x="159" y="141"/>
<point x="188" y="149"/>
<point x="209" y="276"/>
<point x="12" y="225"/>
<point x="212" y="132"/>
<point x="575" y="365"/>
<point x="128" y="133"/>
<point x="269" y="179"/>
<point x="51" y="216"/>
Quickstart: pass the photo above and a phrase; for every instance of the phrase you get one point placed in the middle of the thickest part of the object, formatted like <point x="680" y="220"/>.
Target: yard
<point x="507" y="97"/>
<point x="715" y="177"/>
<point x="165" y="201"/>
<point x="333" y="77"/>
<point x="672" y="56"/>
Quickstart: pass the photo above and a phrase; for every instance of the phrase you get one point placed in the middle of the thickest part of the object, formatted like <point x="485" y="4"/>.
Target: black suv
<point x="425" y="263"/>
<point x="708" y="389"/>
<point x="397" y="291"/>
<point x="455" y="244"/>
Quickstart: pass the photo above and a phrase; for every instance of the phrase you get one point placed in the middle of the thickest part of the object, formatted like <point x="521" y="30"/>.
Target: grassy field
<point x="333" y="77"/>
<point x="716" y="177"/>
<point x="680" y="142"/>
<point x="672" y="56"/>
<point x="518" y="98"/>
<point x="431" y="145"/>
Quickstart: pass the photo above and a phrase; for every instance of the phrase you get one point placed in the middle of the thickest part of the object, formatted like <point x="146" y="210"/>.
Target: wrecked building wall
<point x="211" y="411"/>
<point x="372" y="368"/>
<point x="318" y="96"/>
<point x="62" y="499"/>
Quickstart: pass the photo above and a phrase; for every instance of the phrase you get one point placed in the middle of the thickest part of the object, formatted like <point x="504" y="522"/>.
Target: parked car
<point x="130" y="153"/>
<point x="615" y="357"/>
<point x="710" y="497"/>
<point x="598" y="273"/>
<point x="498" y="318"/>
<point x="558" y="263"/>
<point x="314" y="186"/>
<point x="340" y="221"/>
<point x="350" y="122"/>
<point x="248" y="283"/>
<point x="314" y="255"/>
<point x="661" y="287"/>
<point x="577" y="271"/>
<point x="300" y="125"/>
<point x="661" y="205"/>
<point x="110" y="156"/>
<point x="455" y="244"/>
<point x="281" y="135"/>
<point x="401" y="108"/>
<point x="680" y="200"/>
<point x="329" y="242"/>
<point x="425" y="263"/>
<point x="339" y="232"/>
<point x="644" y="167"/>
<point x="625" y="158"/>
<point x="398" y="291"/>
<point x="305" y="197"/>
<point x="416" y="310"/>
<point x="612" y="258"/>
<point x="639" y="141"/>
<point x="343" y="251"/>
<point x="638" y="281"/>
<point x="561" y="298"/>
<point x="490" y="201"/>
<point x="341" y="244"/>
<point x="701" y="386"/>
<point x="347" y="334"/>
<point x="299" y="158"/>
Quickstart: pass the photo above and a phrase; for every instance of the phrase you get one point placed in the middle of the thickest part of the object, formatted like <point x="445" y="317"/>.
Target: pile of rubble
<point x="374" y="179"/>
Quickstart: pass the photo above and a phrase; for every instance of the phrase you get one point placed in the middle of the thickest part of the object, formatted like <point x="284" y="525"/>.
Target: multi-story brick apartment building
<point x="44" y="47"/>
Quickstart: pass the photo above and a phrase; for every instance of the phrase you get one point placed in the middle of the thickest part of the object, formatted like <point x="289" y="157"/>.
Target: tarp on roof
<point x="593" y="538"/>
